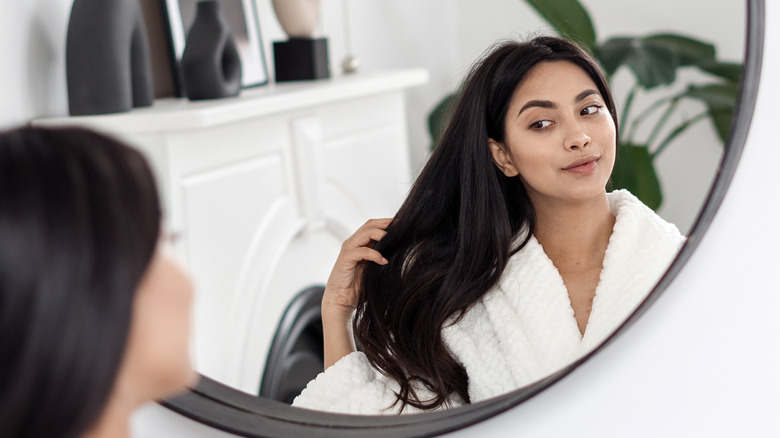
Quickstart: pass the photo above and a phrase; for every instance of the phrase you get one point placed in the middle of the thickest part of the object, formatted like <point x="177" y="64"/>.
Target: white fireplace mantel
<point x="181" y="114"/>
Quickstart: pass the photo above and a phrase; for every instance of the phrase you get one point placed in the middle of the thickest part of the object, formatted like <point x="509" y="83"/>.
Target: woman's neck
<point x="574" y="235"/>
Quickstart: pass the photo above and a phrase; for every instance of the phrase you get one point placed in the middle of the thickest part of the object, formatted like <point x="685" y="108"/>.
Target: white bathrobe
<point x="524" y="328"/>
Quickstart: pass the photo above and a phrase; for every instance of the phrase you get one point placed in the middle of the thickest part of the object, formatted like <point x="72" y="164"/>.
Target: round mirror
<point x="245" y="414"/>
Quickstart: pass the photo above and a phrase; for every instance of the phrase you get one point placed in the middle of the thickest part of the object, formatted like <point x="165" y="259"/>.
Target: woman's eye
<point x="592" y="109"/>
<point x="540" y="124"/>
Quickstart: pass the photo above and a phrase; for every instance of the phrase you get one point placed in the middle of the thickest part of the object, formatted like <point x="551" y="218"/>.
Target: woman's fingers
<point x="379" y="223"/>
<point x="371" y="231"/>
<point x="344" y="281"/>
<point x="365" y="238"/>
<point x="365" y="253"/>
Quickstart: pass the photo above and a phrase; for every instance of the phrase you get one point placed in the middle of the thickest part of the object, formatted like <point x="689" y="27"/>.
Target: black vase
<point x="210" y="64"/>
<point x="107" y="58"/>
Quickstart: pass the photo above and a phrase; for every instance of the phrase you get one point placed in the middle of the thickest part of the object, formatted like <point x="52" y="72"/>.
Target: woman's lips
<point x="583" y="166"/>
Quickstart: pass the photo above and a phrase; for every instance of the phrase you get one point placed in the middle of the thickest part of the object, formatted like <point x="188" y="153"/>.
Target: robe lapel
<point x="527" y="324"/>
<point x="638" y="253"/>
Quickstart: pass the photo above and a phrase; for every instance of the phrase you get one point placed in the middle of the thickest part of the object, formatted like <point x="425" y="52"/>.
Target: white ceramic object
<point x="298" y="18"/>
<point x="350" y="64"/>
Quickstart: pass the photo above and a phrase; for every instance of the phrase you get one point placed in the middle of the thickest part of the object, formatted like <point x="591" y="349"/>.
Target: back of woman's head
<point x="451" y="239"/>
<point x="79" y="222"/>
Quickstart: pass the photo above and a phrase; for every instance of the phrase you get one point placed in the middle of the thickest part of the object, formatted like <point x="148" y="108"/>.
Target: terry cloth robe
<point x="523" y="329"/>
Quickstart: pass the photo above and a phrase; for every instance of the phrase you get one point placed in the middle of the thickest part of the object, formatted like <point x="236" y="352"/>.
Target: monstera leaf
<point x="569" y="18"/>
<point x="635" y="172"/>
<point x="689" y="51"/>
<point x="719" y="99"/>
<point x="652" y="65"/>
<point x="730" y="71"/>
<point x="654" y="59"/>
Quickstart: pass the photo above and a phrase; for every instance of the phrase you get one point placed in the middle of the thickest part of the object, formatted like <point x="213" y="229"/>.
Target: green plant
<point x="653" y="61"/>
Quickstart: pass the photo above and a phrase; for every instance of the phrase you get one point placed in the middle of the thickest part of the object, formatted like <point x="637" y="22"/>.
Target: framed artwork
<point x="242" y="19"/>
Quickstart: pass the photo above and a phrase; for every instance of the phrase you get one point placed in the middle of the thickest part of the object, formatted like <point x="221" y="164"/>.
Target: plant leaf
<point x="731" y="71"/>
<point x="613" y="53"/>
<point x="652" y="65"/>
<point x="719" y="96"/>
<point x="440" y="116"/>
<point x="722" y="119"/>
<point x="689" y="51"/>
<point x="720" y="99"/>
<point x="634" y="171"/>
<point x="569" y="18"/>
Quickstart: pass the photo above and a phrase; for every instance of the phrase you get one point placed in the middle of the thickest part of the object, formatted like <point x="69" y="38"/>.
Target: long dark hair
<point x="451" y="239"/>
<point x="79" y="222"/>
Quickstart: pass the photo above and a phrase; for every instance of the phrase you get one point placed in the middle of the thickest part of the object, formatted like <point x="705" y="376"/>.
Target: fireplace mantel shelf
<point x="173" y="114"/>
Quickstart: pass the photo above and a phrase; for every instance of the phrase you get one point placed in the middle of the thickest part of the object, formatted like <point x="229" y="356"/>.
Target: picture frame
<point x="242" y="18"/>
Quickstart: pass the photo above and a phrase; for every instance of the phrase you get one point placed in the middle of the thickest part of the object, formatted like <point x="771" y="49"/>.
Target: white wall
<point x="32" y="59"/>
<point x="443" y="36"/>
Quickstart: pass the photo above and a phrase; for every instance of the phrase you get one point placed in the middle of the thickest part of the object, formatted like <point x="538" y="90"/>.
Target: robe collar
<point x="524" y="328"/>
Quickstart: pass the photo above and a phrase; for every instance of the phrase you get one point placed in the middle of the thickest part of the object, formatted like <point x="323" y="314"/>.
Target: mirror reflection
<point x="264" y="189"/>
<point x="674" y="87"/>
<point x="508" y="259"/>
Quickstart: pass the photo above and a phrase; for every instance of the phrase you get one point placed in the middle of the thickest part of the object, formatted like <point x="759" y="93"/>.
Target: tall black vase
<point x="107" y="58"/>
<point x="210" y="64"/>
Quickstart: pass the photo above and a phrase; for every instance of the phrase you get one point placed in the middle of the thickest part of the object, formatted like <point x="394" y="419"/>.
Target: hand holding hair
<point x="341" y="291"/>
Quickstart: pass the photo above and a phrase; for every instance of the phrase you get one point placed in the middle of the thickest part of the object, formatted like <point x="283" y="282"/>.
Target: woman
<point x="507" y="261"/>
<point x="94" y="312"/>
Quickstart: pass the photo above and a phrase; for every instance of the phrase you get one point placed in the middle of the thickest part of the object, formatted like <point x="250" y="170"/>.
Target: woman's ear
<point x="501" y="158"/>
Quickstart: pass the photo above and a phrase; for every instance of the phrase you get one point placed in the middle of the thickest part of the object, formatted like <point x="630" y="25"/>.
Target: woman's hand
<point x="343" y="284"/>
<point x="341" y="291"/>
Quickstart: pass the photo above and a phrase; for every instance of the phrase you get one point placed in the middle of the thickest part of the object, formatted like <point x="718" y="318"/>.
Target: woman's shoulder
<point x="635" y="219"/>
<point x="642" y="244"/>
<point x="351" y="385"/>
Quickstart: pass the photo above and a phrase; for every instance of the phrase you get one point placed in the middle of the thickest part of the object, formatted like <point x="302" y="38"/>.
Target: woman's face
<point x="157" y="360"/>
<point x="560" y="137"/>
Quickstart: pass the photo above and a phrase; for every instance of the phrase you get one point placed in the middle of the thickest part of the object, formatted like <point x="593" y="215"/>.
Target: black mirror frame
<point x="230" y="410"/>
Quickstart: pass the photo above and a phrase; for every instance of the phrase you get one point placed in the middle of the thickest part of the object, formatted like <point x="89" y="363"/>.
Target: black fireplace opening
<point x="296" y="355"/>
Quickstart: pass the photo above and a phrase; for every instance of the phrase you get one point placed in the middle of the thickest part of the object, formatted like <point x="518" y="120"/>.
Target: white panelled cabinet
<point x="262" y="188"/>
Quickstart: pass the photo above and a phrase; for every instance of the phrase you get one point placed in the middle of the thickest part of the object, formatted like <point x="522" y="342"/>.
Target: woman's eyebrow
<point x="550" y="104"/>
<point x="537" y="103"/>
<point x="589" y="92"/>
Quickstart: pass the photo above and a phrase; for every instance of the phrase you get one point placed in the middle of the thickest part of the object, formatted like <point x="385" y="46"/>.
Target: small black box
<point x="301" y="59"/>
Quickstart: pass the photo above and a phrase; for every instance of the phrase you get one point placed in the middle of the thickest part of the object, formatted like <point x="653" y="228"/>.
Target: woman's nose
<point x="576" y="137"/>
